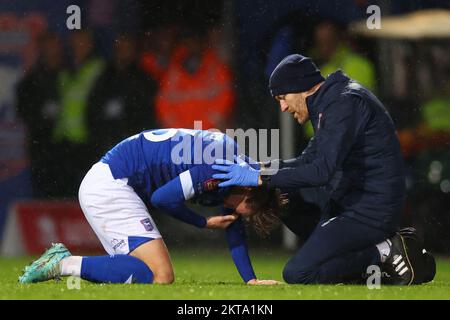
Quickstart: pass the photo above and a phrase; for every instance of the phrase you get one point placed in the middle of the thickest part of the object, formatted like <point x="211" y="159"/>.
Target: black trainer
<point x="423" y="261"/>
<point x="398" y="269"/>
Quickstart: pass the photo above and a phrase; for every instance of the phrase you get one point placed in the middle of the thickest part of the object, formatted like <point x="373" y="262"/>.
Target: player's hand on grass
<point x="235" y="174"/>
<point x="220" y="222"/>
<point x="257" y="282"/>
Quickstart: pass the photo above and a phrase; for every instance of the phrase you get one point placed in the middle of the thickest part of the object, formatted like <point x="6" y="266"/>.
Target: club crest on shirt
<point x="147" y="224"/>
<point x="210" y="184"/>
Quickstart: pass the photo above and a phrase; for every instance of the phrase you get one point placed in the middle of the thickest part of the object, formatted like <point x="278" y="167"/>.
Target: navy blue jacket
<point x="354" y="154"/>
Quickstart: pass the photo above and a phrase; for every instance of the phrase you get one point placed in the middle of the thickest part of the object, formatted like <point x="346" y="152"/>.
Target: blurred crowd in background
<point x="136" y="66"/>
<point x="76" y="109"/>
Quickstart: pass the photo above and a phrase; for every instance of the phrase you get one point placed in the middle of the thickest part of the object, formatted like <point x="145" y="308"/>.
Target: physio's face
<point x="295" y="104"/>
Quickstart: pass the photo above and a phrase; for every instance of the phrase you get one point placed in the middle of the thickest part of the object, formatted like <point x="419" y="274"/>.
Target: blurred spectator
<point x="427" y="148"/>
<point x="71" y="131"/>
<point x="221" y="42"/>
<point x="433" y="132"/>
<point x="160" y="43"/>
<point x="197" y="86"/>
<point x="332" y="54"/>
<point x="38" y="106"/>
<point x="122" y="101"/>
<point x="281" y="47"/>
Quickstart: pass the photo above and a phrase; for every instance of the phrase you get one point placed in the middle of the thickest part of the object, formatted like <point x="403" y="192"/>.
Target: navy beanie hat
<point x="294" y="74"/>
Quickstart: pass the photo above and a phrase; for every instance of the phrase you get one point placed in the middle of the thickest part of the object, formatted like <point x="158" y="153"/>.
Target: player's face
<point x="243" y="208"/>
<point x="239" y="202"/>
<point x="295" y="104"/>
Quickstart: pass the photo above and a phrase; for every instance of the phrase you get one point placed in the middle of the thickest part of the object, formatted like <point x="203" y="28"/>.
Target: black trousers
<point x="337" y="249"/>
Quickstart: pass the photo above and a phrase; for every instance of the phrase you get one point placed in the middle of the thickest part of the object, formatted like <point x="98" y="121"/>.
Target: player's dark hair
<point x="267" y="204"/>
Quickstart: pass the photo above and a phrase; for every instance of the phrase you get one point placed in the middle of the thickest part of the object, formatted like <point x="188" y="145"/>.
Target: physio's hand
<point x="256" y="282"/>
<point x="235" y="174"/>
<point x="220" y="222"/>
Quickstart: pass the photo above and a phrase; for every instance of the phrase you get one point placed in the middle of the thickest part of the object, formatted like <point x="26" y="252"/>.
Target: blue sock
<point x="119" y="268"/>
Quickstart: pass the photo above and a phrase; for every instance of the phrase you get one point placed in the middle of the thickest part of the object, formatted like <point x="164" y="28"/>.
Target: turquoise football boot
<point x="47" y="266"/>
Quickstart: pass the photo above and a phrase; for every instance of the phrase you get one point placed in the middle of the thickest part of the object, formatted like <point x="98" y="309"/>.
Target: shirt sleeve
<point x="333" y="142"/>
<point x="170" y="198"/>
<point x="235" y="235"/>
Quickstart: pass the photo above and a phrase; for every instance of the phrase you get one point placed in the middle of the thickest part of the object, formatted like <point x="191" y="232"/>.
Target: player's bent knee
<point x="162" y="274"/>
<point x="166" y="277"/>
<point x="155" y="255"/>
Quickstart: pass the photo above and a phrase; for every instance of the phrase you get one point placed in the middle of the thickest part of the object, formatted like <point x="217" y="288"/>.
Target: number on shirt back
<point x="165" y="134"/>
<point x="160" y="134"/>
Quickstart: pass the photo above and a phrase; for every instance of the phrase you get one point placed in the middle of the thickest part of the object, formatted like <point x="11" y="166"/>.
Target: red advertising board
<point x="39" y="223"/>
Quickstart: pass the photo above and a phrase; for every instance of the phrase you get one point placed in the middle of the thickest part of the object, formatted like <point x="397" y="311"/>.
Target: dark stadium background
<point x="246" y="33"/>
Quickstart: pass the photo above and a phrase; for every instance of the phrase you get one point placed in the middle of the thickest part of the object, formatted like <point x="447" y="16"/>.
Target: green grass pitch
<point x="212" y="275"/>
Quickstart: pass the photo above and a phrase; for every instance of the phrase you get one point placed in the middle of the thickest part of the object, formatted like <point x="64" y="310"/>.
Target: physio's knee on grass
<point x="294" y="274"/>
<point x="319" y="274"/>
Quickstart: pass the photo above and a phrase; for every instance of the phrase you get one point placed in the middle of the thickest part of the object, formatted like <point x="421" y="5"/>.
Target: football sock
<point x="115" y="269"/>
<point x="71" y="266"/>
<point x="384" y="248"/>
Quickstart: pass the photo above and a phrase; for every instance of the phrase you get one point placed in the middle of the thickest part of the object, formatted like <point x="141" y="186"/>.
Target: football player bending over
<point x="157" y="169"/>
